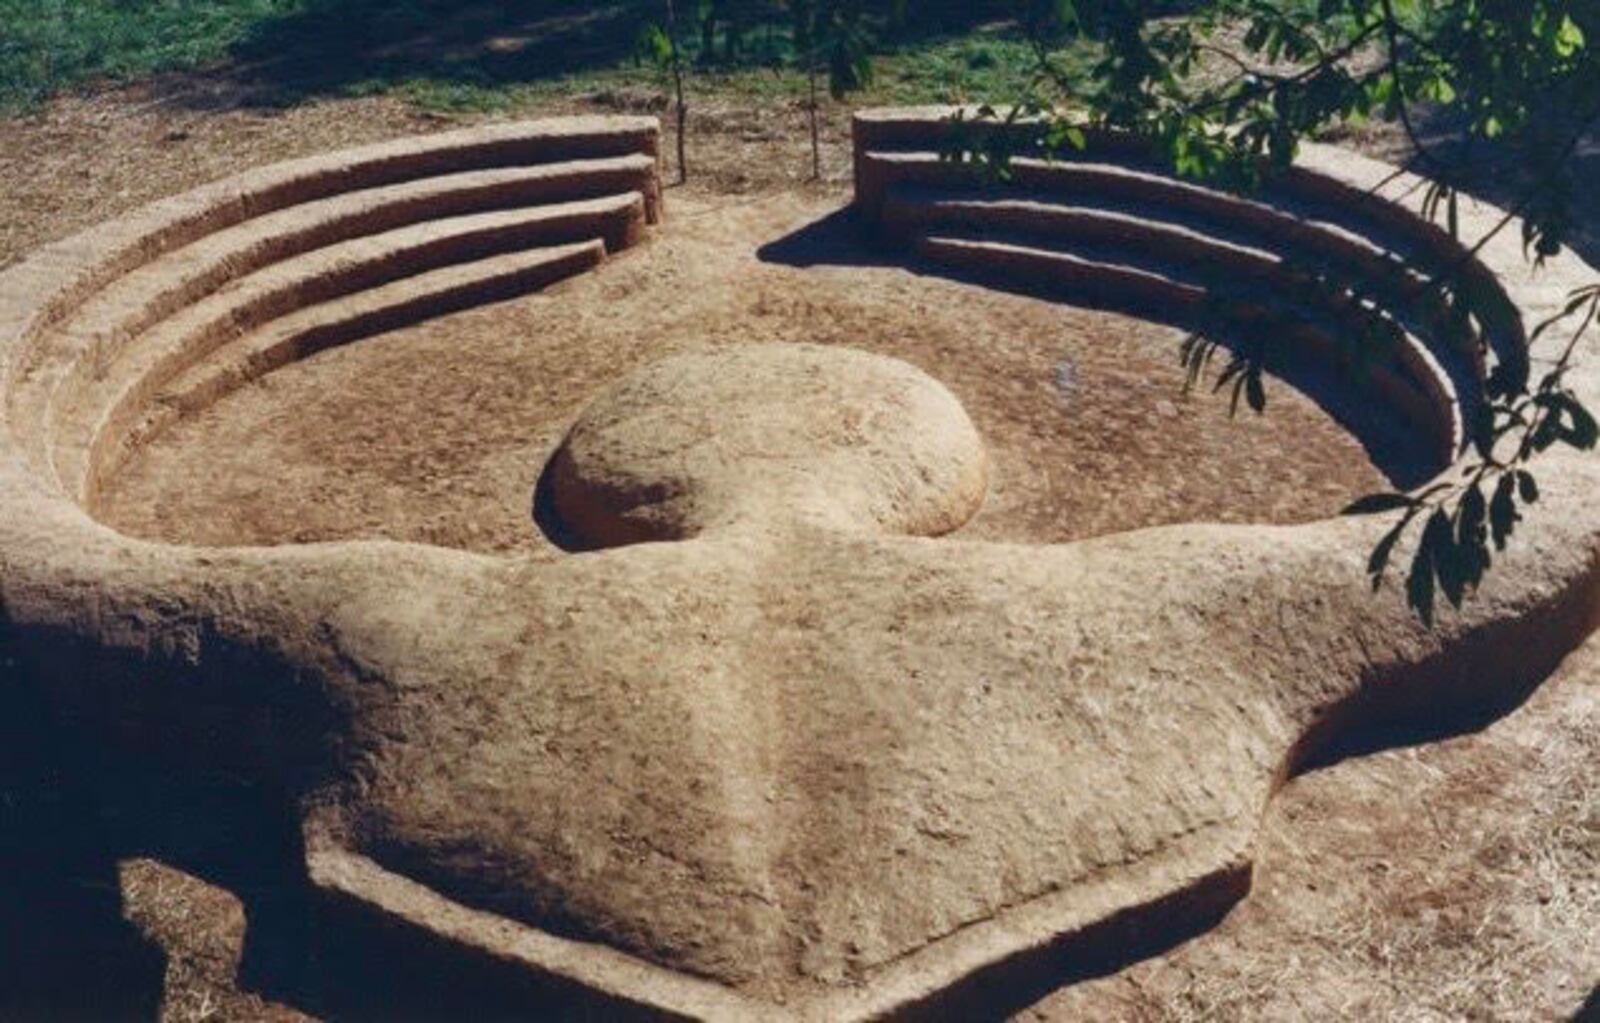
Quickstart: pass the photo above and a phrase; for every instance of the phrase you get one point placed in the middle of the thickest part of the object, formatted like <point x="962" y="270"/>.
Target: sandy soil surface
<point x="1457" y="880"/>
<point x="1454" y="880"/>
<point x="438" y="433"/>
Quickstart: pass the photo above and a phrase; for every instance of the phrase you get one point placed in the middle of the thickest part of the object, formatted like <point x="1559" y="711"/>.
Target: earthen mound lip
<point x="765" y="433"/>
<point x="1267" y="637"/>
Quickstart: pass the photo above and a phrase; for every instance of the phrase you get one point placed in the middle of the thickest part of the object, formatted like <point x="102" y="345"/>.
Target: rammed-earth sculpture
<point x="769" y="740"/>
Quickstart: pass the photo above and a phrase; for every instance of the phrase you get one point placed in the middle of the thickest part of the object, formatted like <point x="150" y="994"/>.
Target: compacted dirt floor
<point x="1452" y="880"/>
<point x="438" y="433"/>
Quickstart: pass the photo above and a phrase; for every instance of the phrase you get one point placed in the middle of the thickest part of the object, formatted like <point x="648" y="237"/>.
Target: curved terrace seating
<point x="203" y="293"/>
<point x="1309" y="261"/>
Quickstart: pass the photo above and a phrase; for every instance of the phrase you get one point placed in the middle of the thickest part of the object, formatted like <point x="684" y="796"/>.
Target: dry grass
<point x="81" y="160"/>
<point x="201" y="928"/>
<point x="1454" y="881"/>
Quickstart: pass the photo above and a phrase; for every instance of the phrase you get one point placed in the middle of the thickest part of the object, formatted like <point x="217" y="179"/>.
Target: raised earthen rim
<point x="69" y="584"/>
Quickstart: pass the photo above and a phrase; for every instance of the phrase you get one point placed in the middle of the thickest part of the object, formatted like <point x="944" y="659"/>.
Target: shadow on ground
<point x="1498" y="173"/>
<point x="60" y="906"/>
<point x="1591" y="1008"/>
<point x="330" y="47"/>
<point x="69" y="813"/>
<point x="73" y="808"/>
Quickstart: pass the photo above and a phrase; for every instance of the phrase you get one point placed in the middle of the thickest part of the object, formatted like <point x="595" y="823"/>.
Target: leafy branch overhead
<point x="1462" y="520"/>
<point x="1227" y="91"/>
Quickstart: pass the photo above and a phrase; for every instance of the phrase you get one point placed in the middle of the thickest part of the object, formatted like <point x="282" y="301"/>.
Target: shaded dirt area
<point x="1447" y="881"/>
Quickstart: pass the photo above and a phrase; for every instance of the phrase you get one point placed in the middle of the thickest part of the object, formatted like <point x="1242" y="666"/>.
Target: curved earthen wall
<point x="806" y="756"/>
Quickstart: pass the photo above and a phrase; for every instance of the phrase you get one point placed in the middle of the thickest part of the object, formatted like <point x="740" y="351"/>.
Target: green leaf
<point x="1568" y="37"/>
<point x="1527" y="487"/>
<point x="655" y="45"/>
<point x="1374" y="504"/>
<point x="1503" y="515"/>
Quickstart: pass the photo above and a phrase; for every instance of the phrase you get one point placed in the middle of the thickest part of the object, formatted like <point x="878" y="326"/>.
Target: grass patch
<point x="987" y="65"/>
<point x="453" y="56"/>
<point x="47" y="46"/>
<point x="990" y="64"/>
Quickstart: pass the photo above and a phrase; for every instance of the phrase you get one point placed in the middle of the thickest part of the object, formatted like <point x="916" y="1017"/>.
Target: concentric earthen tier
<point x="731" y="761"/>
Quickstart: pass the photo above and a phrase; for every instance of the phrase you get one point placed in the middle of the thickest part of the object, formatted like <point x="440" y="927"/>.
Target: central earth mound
<point x="768" y="432"/>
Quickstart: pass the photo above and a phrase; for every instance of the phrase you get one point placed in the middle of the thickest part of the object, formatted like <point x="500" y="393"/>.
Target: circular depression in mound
<point x="438" y="433"/>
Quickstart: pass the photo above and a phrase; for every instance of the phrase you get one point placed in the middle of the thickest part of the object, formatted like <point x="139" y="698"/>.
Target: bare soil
<point x="1457" y="880"/>
<point x="1452" y="880"/>
<point x="438" y="433"/>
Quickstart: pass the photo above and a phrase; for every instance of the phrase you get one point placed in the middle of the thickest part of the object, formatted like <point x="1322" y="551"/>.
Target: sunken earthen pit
<point x="772" y="744"/>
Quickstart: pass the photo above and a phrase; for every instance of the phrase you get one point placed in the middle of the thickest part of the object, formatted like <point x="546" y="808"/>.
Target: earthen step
<point x="1069" y="224"/>
<point x="935" y="128"/>
<point x="1500" y="319"/>
<point x="162" y="287"/>
<point x="303" y="334"/>
<point x="164" y="226"/>
<point x="136" y="370"/>
<point x="1217" y="265"/>
<point x="1306" y="222"/>
<point x="1208" y="268"/>
<point x="1084" y="180"/>
<point x="159" y="289"/>
<point x="922" y="133"/>
<point x="1265" y="229"/>
<point x="1423" y="394"/>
